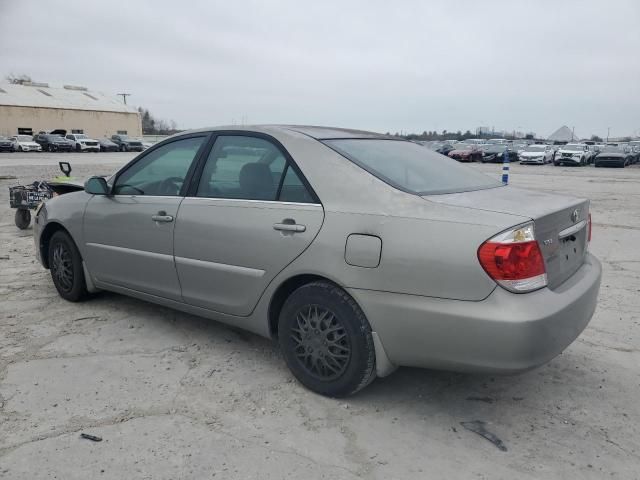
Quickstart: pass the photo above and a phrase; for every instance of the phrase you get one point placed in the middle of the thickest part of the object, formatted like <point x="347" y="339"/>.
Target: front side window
<point x="162" y="171"/>
<point x="410" y="167"/>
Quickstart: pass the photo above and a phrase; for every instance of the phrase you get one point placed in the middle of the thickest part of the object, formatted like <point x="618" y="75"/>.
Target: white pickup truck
<point x="82" y="143"/>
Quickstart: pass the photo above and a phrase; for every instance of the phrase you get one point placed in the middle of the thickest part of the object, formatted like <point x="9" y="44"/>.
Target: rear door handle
<point x="162" y="216"/>
<point x="289" y="227"/>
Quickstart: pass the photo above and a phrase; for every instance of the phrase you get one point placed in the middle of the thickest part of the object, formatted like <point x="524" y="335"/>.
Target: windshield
<point x="24" y="138"/>
<point x="573" y="148"/>
<point x="410" y="167"/>
<point x="535" y="148"/>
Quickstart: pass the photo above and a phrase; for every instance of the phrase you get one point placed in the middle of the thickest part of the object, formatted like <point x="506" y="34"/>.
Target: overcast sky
<point x="379" y="65"/>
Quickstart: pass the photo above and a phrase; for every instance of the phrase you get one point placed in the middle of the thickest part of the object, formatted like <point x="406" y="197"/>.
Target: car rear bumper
<point x="504" y="333"/>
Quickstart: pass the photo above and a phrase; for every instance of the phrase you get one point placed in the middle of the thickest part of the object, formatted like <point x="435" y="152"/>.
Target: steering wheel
<point x="170" y="186"/>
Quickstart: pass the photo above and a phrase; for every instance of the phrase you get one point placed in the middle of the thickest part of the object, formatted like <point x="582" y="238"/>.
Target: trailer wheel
<point x="23" y="218"/>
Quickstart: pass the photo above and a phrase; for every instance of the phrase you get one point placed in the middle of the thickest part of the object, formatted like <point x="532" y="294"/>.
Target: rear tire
<point x="326" y="340"/>
<point x="65" y="264"/>
<point x="23" y="219"/>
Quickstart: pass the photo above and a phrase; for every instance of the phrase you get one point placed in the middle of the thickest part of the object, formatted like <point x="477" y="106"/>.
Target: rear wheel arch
<point x="283" y="292"/>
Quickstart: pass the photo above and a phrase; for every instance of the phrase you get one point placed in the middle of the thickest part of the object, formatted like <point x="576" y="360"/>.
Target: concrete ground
<point x="178" y="397"/>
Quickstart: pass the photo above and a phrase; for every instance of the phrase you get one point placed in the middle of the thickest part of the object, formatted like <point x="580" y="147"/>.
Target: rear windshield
<point x="410" y="167"/>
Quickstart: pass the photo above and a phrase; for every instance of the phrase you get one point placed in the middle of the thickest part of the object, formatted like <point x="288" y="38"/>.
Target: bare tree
<point x="18" y="79"/>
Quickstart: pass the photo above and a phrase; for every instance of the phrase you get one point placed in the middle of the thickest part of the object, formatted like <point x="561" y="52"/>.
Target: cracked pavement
<point x="179" y="397"/>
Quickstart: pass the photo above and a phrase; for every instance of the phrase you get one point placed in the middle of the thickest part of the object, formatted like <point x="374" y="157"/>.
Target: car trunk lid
<point x="560" y="222"/>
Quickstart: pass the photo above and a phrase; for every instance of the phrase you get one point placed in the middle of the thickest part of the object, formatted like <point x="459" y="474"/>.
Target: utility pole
<point x="608" y="131"/>
<point x="124" y="96"/>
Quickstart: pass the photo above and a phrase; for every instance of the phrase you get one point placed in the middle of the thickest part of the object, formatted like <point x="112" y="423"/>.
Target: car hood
<point x="612" y="154"/>
<point x="28" y="144"/>
<point x="532" y="154"/>
<point x="528" y="204"/>
<point x="460" y="152"/>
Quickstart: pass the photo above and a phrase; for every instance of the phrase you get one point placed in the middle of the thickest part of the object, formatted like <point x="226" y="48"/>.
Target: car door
<point x="250" y="213"/>
<point x="129" y="234"/>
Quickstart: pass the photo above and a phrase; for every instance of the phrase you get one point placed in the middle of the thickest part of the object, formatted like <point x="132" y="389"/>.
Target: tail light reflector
<point x="514" y="260"/>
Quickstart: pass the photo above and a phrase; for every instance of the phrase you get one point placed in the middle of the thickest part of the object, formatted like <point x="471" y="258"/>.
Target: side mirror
<point x="96" y="186"/>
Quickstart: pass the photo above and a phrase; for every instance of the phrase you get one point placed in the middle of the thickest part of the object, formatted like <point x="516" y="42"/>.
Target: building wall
<point x="95" y="124"/>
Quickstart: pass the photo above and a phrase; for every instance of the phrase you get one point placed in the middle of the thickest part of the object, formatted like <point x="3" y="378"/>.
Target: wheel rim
<point x="62" y="267"/>
<point x="320" y="342"/>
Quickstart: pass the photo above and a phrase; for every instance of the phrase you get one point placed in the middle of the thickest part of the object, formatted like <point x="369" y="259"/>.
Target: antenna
<point x="124" y="96"/>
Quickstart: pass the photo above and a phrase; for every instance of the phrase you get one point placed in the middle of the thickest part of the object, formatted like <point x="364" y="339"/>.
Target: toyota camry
<point x="358" y="252"/>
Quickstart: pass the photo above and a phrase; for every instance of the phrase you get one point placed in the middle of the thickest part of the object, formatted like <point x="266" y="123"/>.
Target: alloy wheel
<point x="62" y="267"/>
<point x="321" y="343"/>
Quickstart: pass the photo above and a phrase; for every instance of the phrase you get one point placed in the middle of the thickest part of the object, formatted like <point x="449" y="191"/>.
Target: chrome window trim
<point x="246" y="200"/>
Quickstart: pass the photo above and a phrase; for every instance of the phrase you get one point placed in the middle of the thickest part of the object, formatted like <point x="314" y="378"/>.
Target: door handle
<point x="162" y="216"/>
<point x="289" y="225"/>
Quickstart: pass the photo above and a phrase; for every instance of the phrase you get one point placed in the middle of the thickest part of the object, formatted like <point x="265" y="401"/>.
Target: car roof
<point x="313" y="131"/>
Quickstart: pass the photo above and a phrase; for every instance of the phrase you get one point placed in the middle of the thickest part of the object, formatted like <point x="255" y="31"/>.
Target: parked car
<point x="536" y="154"/>
<point x="317" y="237"/>
<point x="465" y="153"/>
<point x="127" y="144"/>
<point x="614" y="156"/>
<point x="441" y="147"/>
<point x="494" y="153"/>
<point x="6" y="145"/>
<point x="25" y="143"/>
<point x="53" y="143"/>
<point x="107" y="145"/>
<point x="82" y="143"/>
<point x="572" y="154"/>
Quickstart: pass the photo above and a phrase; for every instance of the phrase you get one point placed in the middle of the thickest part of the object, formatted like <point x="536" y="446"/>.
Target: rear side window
<point x="250" y="168"/>
<point x="411" y="167"/>
<point x="293" y="190"/>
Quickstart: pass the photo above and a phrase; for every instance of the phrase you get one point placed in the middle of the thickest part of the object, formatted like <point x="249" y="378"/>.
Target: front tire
<point x="326" y="340"/>
<point x="65" y="264"/>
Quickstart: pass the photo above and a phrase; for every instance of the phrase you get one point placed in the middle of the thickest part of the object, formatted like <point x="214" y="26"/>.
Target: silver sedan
<point x="358" y="252"/>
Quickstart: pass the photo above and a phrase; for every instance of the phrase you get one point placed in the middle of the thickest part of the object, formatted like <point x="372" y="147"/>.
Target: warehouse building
<point x="30" y="107"/>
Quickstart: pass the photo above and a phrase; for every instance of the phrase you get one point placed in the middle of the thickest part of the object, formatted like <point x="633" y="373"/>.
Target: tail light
<point x="514" y="260"/>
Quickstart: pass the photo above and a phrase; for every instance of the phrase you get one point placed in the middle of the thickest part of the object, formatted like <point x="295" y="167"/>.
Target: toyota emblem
<point x="575" y="216"/>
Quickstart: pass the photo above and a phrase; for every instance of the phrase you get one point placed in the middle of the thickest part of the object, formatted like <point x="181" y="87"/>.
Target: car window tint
<point x="411" y="167"/>
<point x="242" y="167"/>
<point x="293" y="190"/>
<point x="162" y="171"/>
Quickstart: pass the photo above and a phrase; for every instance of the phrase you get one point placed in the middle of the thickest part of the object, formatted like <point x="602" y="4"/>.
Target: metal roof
<point x="66" y="97"/>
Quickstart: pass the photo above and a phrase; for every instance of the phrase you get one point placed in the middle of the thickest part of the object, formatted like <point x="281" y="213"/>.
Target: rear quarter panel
<point x="433" y="257"/>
